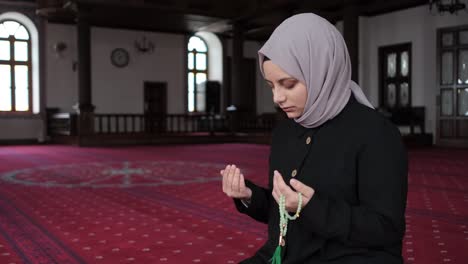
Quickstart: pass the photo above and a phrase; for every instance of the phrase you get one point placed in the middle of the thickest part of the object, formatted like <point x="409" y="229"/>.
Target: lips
<point x="287" y="109"/>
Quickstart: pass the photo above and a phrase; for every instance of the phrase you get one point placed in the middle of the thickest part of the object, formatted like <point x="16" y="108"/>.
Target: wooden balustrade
<point x="66" y="124"/>
<point x="159" y="124"/>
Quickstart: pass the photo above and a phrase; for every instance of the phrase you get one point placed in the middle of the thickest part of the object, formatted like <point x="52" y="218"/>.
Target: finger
<point x="275" y="191"/>
<point x="307" y="191"/>
<point x="275" y="179"/>
<point x="231" y="178"/>
<point x="225" y="178"/>
<point x="278" y="184"/>
<point x="291" y="201"/>
<point x="282" y="186"/>
<point x="301" y="187"/>
<point x="289" y="194"/>
<point x="279" y="180"/>
<point x="235" y="181"/>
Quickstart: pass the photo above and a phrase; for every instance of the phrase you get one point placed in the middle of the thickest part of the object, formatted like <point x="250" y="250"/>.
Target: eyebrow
<point x="282" y="79"/>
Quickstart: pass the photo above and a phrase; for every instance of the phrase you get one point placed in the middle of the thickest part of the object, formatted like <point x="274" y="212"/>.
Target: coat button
<point x="308" y="140"/>
<point x="294" y="173"/>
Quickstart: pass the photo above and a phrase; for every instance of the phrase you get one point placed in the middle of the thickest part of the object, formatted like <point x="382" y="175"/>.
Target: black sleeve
<point x="378" y="220"/>
<point x="259" y="206"/>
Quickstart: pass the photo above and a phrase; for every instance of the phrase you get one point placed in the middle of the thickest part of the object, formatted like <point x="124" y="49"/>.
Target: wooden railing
<point x="118" y="123"/>
<point x="171" y="123"/>
<point x="261" y="123"/>
<point x="67" y="124"/>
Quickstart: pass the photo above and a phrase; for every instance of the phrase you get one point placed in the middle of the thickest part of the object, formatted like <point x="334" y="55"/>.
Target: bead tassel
<point x="276" y="259"/>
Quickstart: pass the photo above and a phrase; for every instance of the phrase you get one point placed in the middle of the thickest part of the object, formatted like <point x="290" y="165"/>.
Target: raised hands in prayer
<point x="291" y="197"/>
<point x="234" y="183"/>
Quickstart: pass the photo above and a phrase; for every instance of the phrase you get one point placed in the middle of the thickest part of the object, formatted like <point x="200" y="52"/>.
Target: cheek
<point x="303" y="97"/>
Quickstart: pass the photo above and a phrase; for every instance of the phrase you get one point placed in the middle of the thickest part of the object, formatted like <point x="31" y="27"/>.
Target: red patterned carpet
<point x="161" y="204"/>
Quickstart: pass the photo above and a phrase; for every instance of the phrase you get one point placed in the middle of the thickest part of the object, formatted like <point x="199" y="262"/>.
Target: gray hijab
<point x="312" y="50"/>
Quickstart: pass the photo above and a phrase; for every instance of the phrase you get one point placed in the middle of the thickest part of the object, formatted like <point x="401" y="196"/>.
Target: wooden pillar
<point x="236" y="74"/>
<point x="351" y="36"/>
<point x="43" y="76"/>
<point x="86" y="115"/>
<point x="236" y="69"/>
<point x="226" y="91"/>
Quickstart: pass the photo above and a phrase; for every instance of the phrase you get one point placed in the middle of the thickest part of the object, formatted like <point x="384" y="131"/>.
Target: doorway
<point x="155" y="106"/>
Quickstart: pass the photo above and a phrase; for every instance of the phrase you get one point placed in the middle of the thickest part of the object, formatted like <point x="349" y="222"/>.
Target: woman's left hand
<point x="292" y="200"/>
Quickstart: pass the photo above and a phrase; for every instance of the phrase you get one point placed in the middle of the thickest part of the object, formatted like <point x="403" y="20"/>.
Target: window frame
<point x="12" y="63"/>
<point x="195" y="71"/>
<point x="398" y="79"/>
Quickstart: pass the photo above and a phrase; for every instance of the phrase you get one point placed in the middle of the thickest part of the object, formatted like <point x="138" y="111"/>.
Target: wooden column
<point x="86" y="115"/>
<point x="236" y="68"/>
<point x="43" y="76"/>
<point x="226" y="90"/>
<point x="236" y="76"/>
<point x="351" y="36"/>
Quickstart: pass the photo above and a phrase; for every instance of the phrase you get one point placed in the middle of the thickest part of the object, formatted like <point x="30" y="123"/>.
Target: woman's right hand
<point x="234" y="183"/>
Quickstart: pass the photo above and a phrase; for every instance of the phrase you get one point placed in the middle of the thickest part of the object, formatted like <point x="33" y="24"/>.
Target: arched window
<point x="197" y="74"/>
<point x="15" y="68"/>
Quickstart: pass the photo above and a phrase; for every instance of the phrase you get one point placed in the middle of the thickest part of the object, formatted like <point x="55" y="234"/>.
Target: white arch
<point x="29" y="25"/>
<point x="215" y="55"/>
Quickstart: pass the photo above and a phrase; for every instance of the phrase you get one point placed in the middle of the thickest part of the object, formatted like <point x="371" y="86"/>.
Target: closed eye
<point x="290" y="83"/>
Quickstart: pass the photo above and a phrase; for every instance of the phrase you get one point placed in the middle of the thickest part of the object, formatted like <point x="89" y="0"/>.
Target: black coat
<point x="357" y="165"/>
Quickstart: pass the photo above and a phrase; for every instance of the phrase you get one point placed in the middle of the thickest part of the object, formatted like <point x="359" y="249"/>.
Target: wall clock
<point x="120" y="57"/>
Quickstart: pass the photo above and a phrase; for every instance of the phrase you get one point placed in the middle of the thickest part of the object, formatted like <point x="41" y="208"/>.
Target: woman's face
<point x="288" y="93"/>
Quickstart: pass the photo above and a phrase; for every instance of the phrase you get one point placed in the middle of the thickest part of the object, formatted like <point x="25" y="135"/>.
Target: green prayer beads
<point x="283" y="225"/>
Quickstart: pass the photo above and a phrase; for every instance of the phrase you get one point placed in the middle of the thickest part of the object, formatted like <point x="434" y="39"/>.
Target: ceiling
<point x="256" y="18"/>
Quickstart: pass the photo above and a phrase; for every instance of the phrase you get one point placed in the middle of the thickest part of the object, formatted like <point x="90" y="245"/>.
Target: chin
<point x="292" y="115"/>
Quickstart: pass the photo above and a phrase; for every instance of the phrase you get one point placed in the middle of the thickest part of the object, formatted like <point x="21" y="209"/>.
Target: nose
<point x="278" y="96"/>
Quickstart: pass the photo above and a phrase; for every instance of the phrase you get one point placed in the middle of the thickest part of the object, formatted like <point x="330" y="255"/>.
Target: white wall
<point x="62" y="80"/>
<point x="115" y="90"/>
<point x="415" y="25"/>
<point x="120" y="90"/>
<point x="21" y="128"/>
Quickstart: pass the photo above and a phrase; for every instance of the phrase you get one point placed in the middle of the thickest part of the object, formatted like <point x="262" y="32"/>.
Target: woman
<point x="336" y="164"/>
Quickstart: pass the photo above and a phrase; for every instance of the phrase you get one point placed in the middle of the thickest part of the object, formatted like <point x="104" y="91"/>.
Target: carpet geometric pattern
<point x="115" y="174"/>
<point x="164" y="204"/>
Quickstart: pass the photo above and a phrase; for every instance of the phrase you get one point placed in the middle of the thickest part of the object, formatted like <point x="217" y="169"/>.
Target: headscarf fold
<point x="313" y="51"/>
